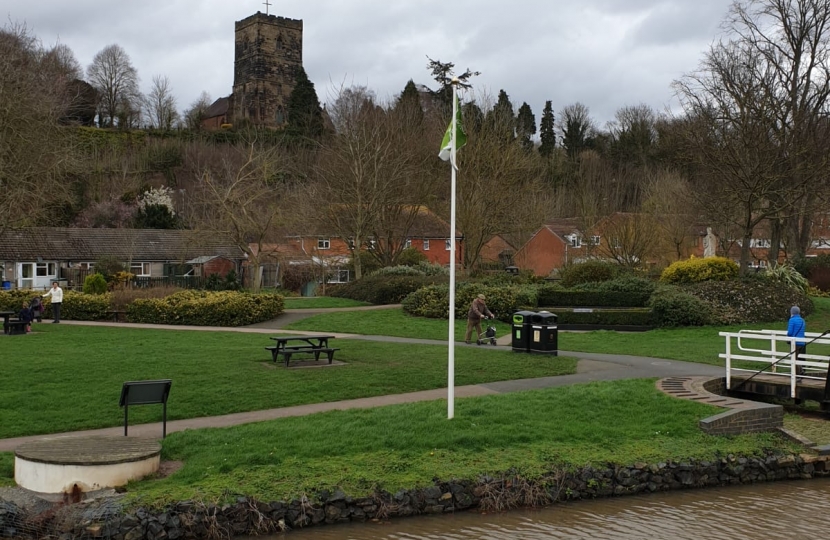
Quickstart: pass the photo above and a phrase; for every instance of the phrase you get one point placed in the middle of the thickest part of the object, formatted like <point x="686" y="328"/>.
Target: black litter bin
<point x="544" y="333"/>
<point x="521" y="330"/>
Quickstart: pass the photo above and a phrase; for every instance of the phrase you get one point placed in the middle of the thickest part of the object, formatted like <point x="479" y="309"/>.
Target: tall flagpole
<point x="451" y="363"/>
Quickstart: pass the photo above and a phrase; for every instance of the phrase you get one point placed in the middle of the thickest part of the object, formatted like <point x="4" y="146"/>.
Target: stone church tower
<point x="269" y="51"/>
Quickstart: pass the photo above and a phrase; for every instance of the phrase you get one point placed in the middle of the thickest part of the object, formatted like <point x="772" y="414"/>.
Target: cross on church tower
<point x="267" y="5"/>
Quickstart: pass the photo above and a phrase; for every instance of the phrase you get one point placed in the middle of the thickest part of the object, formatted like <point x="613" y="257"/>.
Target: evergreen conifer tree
<point x="547" y="131"/>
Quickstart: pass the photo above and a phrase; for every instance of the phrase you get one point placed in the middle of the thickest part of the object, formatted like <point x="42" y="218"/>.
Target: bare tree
<point x="116" y="80"/>
<point x="631" y="239"/>
<point x="670" y="203"/>
<point x="194" y="114"/>
<point x="792" y="40"/>
<point x="576" y="129"/>
<point x="36" y="155"/>
<point x="369" y="177"/>
<point x="161" y="104"/>
<point x="239" y="198"/>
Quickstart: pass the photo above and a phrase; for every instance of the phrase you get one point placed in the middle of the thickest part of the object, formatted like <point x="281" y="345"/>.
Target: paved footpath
<point x="591" y="367"/>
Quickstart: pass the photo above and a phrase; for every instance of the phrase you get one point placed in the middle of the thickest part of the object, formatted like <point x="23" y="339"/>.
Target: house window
<point x="576" y="240"/>
<point x="339" y="276"/>
<point x="323" y="243"/>
<point x="372" y="244"/>
<point x="45" y="270"/>
<point x="86" y="265"/>
<point x="407" y="244"/>
<point x="447" y="244"/>
<point x="426" y="244"/>
<point x="140" y="269"/>
<point x="595" y="240"/>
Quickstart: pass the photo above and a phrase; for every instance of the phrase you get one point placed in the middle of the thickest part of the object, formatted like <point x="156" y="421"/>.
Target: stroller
<point x="37" y="308"/>
<point x="488" y="336"/>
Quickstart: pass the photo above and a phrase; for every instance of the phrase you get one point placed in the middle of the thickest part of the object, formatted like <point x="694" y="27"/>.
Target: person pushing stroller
<point x="478" y="311"/>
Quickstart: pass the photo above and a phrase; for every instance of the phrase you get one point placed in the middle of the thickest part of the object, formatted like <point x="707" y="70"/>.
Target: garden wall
<point x="192" y="520"/>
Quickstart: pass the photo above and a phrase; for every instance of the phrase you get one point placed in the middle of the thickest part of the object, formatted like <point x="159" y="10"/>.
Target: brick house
<point x="556" y="243"/>
<point x="34" y="257"/>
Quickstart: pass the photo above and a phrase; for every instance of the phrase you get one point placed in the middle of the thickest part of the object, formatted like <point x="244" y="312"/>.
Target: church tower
<point x="269" y="51"/>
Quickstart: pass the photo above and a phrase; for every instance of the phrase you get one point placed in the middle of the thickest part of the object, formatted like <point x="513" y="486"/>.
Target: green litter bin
<point x="521" y="330"/>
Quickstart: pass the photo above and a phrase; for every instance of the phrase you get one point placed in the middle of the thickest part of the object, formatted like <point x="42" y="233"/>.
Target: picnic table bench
<point x="12" y="327"/>
<point x="314" y="345"/>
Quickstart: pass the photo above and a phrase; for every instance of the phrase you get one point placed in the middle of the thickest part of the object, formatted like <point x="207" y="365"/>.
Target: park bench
<point x="310" y="345"/>
<point x="15" y="328"/>
<point x="116" y="314"/>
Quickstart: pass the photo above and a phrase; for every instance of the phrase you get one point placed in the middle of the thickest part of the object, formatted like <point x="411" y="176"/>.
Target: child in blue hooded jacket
<point x="796" y="328"/>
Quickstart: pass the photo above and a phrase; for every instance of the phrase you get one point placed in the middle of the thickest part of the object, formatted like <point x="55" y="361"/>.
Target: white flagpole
<point x="451" y="366"/>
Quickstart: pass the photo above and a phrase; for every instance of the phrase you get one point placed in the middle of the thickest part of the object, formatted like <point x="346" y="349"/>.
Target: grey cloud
<point x="604" y="53"/>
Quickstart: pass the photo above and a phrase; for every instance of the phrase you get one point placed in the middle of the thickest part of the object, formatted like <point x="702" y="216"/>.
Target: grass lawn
<point x="64" y="377"/>
<point x="405" y="446"/>
<point x="693" y="344"/>
<point x="320" y="302"/>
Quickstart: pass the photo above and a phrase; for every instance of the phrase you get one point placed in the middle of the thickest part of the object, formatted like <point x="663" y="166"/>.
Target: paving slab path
<point x="591" y="367"/>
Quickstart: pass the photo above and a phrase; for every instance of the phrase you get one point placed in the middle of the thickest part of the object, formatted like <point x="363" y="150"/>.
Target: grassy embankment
<point x="408" y="445"/>
<point x="320" y="302"/>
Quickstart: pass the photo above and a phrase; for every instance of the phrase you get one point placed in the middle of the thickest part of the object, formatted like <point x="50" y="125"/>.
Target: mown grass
<point x="815" y="429"/>
<point x="320" y="302"/>
<point x="694" y="344"/>
<point x="64" y="377"/>
<point x="6" y="469"/>
<point x="406" y="446"/>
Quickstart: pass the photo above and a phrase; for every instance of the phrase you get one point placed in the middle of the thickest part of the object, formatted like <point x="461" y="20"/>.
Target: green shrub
<point x="625" y="283"/>
<point x="554" y="296"/>
<point x="12" y="300"/>
<point x="95" y="284"/>
<point x="672" y="306"/>
<point x="82" y="307"/>
<point x="588" y="272"/>
<point x="205" y="308"/>
<point x="750" y="300"/>
<point x="397" y="271"/>
<point x="696" y="270"/>
<point x="786" y="274"/>
<point x="108" y="267"/>
<point x="411" y="257"/>
<point x="638" y="317"/>
<point x="434" y="301"/>
<point x="384" y="289"/>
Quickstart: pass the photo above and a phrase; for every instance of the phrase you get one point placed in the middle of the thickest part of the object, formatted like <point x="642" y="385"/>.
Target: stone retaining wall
<point x="192" y="520"/>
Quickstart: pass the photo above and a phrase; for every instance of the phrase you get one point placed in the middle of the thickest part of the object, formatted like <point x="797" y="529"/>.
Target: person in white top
<point x="57" y="297"/>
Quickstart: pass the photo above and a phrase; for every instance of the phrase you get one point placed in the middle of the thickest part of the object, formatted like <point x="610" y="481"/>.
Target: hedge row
<point x="384" y="289"/>
<point x="204" y="308"/>
<point x="749" y="300"/>
<point x="433" y="301"/>
<point x="639" y="317"/>
<point x="75" y="306"/>
<point x="551" y="296"/>
<point x="696" y="270"/>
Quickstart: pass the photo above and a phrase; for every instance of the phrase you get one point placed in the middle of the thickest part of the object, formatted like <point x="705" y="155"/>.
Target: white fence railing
<point x="761" y="346"/>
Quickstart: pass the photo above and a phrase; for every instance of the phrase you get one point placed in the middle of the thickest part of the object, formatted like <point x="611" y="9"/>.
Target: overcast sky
<point x="603" y="53"/>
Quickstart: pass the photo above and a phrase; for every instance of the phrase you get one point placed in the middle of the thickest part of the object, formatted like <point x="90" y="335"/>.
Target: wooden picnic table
<point x="314" y="344"/>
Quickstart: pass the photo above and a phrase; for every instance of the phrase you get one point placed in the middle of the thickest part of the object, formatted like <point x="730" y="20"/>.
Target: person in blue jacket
<point x="27" y="316"/>
<point x="796" y="328"/>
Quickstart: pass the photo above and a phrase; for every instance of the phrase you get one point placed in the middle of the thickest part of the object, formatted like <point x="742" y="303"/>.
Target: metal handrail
<point x="768" y="356"/>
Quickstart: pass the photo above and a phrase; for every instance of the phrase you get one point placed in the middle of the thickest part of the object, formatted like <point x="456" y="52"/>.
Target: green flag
<point x="460" y="136"/>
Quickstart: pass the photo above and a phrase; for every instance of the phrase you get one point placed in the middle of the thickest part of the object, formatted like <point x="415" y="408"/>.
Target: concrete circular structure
<point x="69" y="464"/>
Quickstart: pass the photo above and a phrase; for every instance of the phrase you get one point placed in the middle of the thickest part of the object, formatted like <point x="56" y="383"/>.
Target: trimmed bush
<point x="550" y="296"/>
<point x="696" y="270"/>
<point x="76" y="306"/>
<point x="434" y="301"/>
<point x="588" y="272"/>
<point x="638" y="317"/>
<point x="95" y="284"/>
<point x="750" y="300"/>
<point x="672" y="306"/>
<point x="625" y="283"/>
<point x="81" y="307"/>
<point x="384" y="289"/>
<point x="204" y="308"/>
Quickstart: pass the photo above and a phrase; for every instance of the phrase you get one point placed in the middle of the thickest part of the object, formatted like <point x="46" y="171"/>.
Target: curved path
<point x="591" y="367"/>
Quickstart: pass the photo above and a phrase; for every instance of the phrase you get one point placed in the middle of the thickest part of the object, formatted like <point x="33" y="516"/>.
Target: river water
<point x="787" y="510"/>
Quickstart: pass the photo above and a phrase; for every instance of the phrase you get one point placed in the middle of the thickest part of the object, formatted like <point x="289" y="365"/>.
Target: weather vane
<point x="267" y="4"/>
